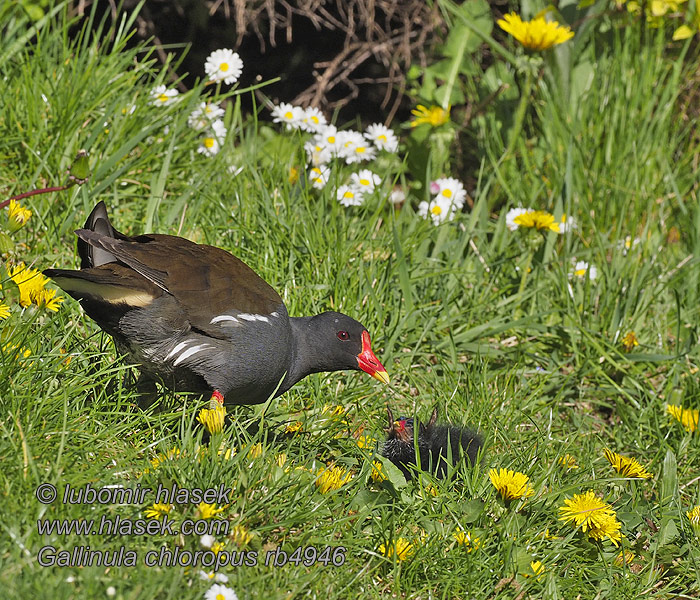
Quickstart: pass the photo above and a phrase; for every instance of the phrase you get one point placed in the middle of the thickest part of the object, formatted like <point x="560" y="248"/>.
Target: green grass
<point x="483" y="322"/>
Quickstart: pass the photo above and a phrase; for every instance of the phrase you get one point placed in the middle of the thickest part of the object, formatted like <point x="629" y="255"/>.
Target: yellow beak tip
<point x="382" y="376"/>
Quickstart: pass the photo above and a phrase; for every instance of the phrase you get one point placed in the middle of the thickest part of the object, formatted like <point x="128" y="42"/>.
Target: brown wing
<point x="205" y="280"/>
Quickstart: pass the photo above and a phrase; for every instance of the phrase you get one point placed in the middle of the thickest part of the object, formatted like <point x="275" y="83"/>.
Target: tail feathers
<point x="98" y="221"/>
<point x="105" y="286"/>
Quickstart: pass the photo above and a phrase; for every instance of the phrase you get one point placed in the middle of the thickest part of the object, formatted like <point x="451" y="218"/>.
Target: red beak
<point x="400" y="431"/>
<point x="369" y="363"/>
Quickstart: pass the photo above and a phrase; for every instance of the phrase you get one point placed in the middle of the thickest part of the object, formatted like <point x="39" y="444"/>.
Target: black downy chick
<point x="432" y="443"/>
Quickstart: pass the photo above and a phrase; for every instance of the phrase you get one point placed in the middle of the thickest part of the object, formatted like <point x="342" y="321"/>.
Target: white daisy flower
<point x="382" y="137"/>
<point x="291" y="116"/>
<point x="209" y="145"/>
<point x="219" y="129"/>
<point x="202" y="116"/>
<point x="359" y="153"/>
<point x="162" y="96"/>
<point x="313" y="120"/>
<point x="319" y="176"/>
<point x="212" y="140"/>
<point x="349" y="195"/>
<point x="450" y="189"/>
<point x="206" y="541"/>
<point x="567" y="224"/>
<point x="224" y="65"/>
<point x="365" y="180"/>
<point x="218" y="577"/>
<point x="439" y="209"/>
<point x="397" y="196"/>
<point x="329" y="138"/>
<point x="318" y="153"/>
<point x="354" y="147"/>
<point x="512" y="214"/>
<point x="220" y="592"/>
<point x="111" y="591"/>
<point x="627" y="244"/>
<point x="581" y="267"/>
<point x="347" y="141"/>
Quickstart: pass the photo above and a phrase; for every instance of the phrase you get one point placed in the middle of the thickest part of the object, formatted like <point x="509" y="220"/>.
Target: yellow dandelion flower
<point x="694" y="516"/>
<point x="213" y="418"/>
<point x="464" y="538"/>
<point x="592" y="515"/>
<point x="538" y="219"/>
<point x="240" y="536"/>
<point x="293" y="175"/>
<point x="688" y="417"/>
<point x="659" y="8"/>
<point x="608" y="527"/>
<point x="585" y="510"/>
<point x="433" y="116"/>
<point x="158" y="510"/>
<point x="171" y="454"/>
<point x="29" y="281"/>
<point x="428" y="490"/>
<point x="625" y="557"/>
<point x="217" y="547"/>
<point x="537" y="34"/>
<point x="46" y="298"/>
<point x="17" y="216"/>
<point x="401" y="548"/>
<point x="511" y="485"/>
<point x="332" y="478"/>
<point x="332" y="411"/>
<point x="255" y="451"/>
<point x="625" y="466"/>
<point x="207" y="511"/>
<point x="295" y="427"/>
<point x="227" y="453"/>
<point x="537" y="570"/>
<point x="281" y="460"/>
<point x="21" y="352"/>
<point x="568" y="461"/>
<point x="366" y="441"/>
<point x="4" y="311"/>
<point x="377" y="475"/>
<point x="629" y="342"/>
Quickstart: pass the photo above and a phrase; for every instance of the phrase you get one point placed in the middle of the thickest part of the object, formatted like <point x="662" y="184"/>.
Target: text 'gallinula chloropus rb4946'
<point x="198" y="319"/>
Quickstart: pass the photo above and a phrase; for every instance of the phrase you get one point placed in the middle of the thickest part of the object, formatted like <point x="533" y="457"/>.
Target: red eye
<point x="343" y="335"/>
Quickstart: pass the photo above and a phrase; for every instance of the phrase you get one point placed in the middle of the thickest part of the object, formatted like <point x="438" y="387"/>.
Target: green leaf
<point x="669" y="479"/>
<point x="404" y="277"/>
<point x="499" y="78"/>
<point x="6" y="243"/>
<point x="394" y="475"/>
<point x="80" y="169"/>
<point x="667" y="533"/>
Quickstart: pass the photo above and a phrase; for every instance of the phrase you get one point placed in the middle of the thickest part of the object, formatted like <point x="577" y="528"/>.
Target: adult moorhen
<point x="198" y="319"/>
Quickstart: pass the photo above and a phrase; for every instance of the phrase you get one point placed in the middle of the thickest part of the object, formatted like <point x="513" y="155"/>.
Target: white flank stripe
<point x="223" y="318"/>
<point x="274" y="314"/>
<point x="176" y="349"/>
<point x="189" y="352"/>
<point x="249" y="317"/>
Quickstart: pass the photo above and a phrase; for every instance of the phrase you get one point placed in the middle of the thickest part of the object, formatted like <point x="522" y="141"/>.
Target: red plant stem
<point x="59" y="188"/>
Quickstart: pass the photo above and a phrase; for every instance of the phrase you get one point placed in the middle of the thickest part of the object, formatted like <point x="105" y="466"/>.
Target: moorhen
<point x="432" y="443"/>
<point x="198" y="319"/>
